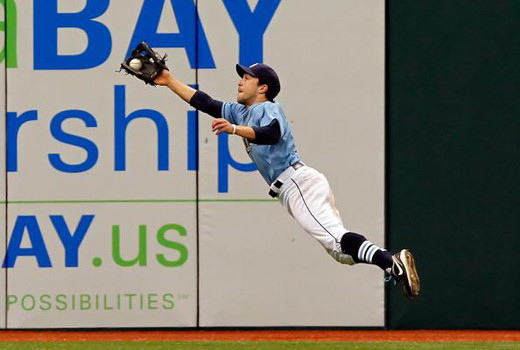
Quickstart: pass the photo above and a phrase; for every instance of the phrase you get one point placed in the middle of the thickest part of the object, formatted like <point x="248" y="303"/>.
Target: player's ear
<point x="262" y="89"/>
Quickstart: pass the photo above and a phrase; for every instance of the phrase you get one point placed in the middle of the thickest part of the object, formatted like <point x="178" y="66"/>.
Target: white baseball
<point x="135" y="64"/>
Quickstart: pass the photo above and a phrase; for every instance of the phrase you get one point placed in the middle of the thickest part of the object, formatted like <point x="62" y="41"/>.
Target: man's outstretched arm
<point x="178" y="87"/>
<point x="267" y="135"/>
<point x="198" y="99"/>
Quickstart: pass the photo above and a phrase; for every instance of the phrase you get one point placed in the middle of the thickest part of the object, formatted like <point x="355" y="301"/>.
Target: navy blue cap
<point x="265" y="74"/>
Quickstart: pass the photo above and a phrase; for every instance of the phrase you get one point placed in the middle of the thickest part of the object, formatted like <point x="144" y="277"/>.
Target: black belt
<point x="277" y="184"/>
<point x="297" y="165"/>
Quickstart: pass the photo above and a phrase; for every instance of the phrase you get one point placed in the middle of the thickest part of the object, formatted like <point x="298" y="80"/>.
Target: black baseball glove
<point x="144" y="63"/>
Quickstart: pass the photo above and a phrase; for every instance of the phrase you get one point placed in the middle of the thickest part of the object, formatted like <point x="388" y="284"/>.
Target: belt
<point x="297" y="165"/>
<point x="274" y="190"/>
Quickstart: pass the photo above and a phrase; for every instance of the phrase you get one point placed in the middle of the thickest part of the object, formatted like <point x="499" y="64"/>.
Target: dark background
<point x="453" y="165"/>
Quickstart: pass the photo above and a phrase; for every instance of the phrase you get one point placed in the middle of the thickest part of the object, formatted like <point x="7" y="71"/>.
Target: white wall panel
<point x="137" y="195"/>
<point x="258" y="267"/>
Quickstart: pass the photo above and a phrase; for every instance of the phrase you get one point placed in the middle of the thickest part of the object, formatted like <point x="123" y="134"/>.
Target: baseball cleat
<point x="405" y="273"/>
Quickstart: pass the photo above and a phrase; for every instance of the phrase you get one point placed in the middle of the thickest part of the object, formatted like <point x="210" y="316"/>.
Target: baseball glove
<point x="144" y="63"/>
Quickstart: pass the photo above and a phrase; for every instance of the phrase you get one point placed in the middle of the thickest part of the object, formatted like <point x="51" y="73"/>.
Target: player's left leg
<point x="364" y="251"/>
<point x="405" y="272"/>
<point x="307" y="196"/>
<point x="400" y="265"/>
<point x="309" y="199"/>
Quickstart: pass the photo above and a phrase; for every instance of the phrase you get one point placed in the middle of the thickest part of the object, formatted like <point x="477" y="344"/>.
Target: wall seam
<point x="6" y="4"/>
<point x="386" y="166"/>
<point x="197" y="205"/>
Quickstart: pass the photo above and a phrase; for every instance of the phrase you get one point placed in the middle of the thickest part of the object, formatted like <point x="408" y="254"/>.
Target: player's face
<point x="248" y="90"/>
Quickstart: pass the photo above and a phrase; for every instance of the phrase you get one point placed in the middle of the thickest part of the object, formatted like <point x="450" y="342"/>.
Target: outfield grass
<point x="257" y="345"/>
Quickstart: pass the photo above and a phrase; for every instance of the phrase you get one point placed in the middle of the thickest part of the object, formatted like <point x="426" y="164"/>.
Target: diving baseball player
<point x="302" y="190"/>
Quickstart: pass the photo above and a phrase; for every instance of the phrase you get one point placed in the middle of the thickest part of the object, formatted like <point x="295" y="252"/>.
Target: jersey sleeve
<point x="267" y="135"/>
<point x="269" y="115"/>
<point x="232" y="112"/>
<point x="203" y="102"/>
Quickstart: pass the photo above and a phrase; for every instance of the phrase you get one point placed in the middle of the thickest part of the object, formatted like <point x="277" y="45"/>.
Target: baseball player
<point x="302" y="190"/>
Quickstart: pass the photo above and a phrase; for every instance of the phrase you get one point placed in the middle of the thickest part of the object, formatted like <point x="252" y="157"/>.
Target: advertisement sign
<point x="102" y="214"/>
<point x="125" y="210"/>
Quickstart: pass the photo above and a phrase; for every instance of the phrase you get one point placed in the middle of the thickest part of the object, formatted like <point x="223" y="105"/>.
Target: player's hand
<point x="220" y="125"/>
<point x="163" y="78"/>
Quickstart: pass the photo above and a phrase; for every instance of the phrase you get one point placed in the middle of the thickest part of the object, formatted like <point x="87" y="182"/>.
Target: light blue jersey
<point x="271" y="160"/>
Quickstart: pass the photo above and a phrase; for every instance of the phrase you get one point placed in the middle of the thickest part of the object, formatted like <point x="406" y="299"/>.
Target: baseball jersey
<point x="271" y="160"/>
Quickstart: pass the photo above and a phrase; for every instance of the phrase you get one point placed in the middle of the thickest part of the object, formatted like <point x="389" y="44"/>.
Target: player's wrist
<point x="234" y="131"/>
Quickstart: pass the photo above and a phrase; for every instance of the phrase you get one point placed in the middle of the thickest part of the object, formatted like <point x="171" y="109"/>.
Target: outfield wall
<point x="453" y="160"/>
<point x="124" y="210"/>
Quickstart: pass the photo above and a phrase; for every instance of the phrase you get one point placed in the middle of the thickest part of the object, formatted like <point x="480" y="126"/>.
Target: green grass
<point x="257" y="345"/>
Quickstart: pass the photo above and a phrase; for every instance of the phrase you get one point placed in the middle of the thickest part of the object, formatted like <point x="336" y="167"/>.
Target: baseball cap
<point x="265" y="74"/>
